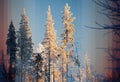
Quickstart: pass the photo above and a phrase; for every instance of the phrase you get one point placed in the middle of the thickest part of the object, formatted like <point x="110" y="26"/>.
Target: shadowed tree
<point x="4" y="76"/>
<point x="111" y="9"/>
<point x="25" y="49"/>
<point x="38" y="67"/>
<point x="11" y="51"/>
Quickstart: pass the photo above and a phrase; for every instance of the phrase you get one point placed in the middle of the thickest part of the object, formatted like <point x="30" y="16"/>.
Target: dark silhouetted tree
<point x="11" y="51"/>
<point x="111" y="9"/>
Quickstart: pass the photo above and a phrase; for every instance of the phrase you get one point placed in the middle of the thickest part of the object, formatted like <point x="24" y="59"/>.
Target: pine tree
<point x="11" y="51"/>
<point x="50" y="45"/>
<point x="67" y="40"/>
<point x="40" y="48"/>
<point x="25" y="47"/>
<point x="39" y="67"/>
<point x="4" y="76"/>
<point x="40" y="62"/>
<point x="87" y="68"/>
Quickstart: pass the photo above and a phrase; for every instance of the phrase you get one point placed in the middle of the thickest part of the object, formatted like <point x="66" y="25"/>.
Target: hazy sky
<point x="86" y="13"/>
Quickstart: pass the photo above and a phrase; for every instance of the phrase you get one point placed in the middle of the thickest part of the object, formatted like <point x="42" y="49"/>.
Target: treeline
<point x="52" y="62"/>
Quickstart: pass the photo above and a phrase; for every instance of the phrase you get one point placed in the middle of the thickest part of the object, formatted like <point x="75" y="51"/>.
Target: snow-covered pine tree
<point x="67" y="40"/>
<point x="50" y="46"/>
<point x="40" y="48"/>
<point x="25" y="48"/>
<point x="11" y="51"/>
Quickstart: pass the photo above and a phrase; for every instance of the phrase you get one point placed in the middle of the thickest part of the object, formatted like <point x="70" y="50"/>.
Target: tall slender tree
<point x="87" y="68"/>
<point x="50" y="45"/>
<point x="11" y="51"/>
<point x="25" y="48"/>
<point x="67" y="40"/>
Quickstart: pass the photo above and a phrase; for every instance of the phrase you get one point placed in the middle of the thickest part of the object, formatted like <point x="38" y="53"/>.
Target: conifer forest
<point x="59" y="41"/>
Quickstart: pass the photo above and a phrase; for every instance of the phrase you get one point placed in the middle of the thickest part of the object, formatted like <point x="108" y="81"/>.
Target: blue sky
<point x="86" y="13"/>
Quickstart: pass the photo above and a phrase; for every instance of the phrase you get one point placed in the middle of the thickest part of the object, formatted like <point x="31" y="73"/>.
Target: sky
<point x="86" y="12"/>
